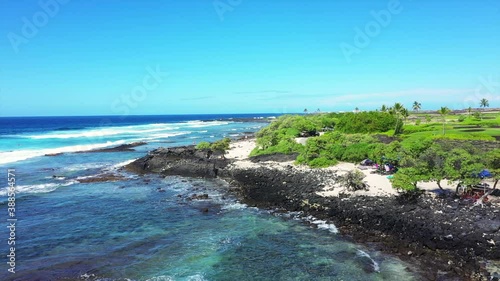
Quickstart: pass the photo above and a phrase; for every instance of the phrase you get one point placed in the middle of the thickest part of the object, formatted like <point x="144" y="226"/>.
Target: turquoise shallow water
<point x="148" y="229"/>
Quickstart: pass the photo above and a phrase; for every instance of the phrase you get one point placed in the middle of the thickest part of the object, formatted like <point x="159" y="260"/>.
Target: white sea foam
<point x="150" y="132"/>
<point x="202" y="124"/>
<point x="124" y="163"/>
<point x="330" y="227"/>
<point x="106" y="131"/>
<point x="37" y="188"/>
<point x="94" y="133"/>
<point x="162" y="136"/>
<point x="80" y="167"/>
<point x="234" y="206"/>
<point x="19" y="155"/>
<point x="376" y="266"/>
<point x="159" y="137"/>
<point x="85" y="177"/>
<point x="197" y="277"/>
<point x="322" y="224"/>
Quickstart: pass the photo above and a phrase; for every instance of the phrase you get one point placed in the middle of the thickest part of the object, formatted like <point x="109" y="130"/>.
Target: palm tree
<point x="405" y="113"/>
<point x="356" y="110"/>
<point x="443" y="111"/>
<point x="484" y="103"/>
<point x="398" y="110"/>
<point x="417" y="106"/>
<point x="469" y="110"/>
<point x="384" y="108"/>
<point x="305" y="111"/>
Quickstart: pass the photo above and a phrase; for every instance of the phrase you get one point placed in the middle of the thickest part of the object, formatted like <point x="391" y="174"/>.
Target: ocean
<point x="147" y="228"/>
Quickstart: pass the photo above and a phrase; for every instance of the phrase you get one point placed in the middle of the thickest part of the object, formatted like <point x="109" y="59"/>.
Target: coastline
<point x="441" y="235"/>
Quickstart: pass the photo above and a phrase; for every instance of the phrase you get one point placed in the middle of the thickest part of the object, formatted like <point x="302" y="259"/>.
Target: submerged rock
<point x="101" y="178"/>
<point x="123" y="147"/>
<point x="54" y="154"/>
<point x="199" y="197"/>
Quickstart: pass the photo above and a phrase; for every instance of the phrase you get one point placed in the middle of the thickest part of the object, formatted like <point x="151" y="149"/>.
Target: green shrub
<point x="284" y="146"/>
<point x="318" y="152"/>
<point x="406" y="180"/>
<point x="461" y="118"/>
<point x="291" y="126"/>
<point x="347" y="140"/>
<point x="334" y="146"/>
<point x="356" y="152"/>
<point x="365" y="122"/>
<point x="322" y="162"/>
<point x="376" y="151"/>
<point x="399" y="128"/>
<point x="415" y="145"/>
<point x="203" y="145"/>
<point x="353" y="180"/>
<point x="221" y="145"/>
<point x="336" y="151"/>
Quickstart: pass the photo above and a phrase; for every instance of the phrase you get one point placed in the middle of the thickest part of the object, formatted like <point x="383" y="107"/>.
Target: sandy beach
<point x="379" y="185"/>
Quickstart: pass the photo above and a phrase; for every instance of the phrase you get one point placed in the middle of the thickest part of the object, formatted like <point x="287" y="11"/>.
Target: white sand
<point x="301" y="140"/>
<point x="240" y="150"/>
<point x="379" y="185"/>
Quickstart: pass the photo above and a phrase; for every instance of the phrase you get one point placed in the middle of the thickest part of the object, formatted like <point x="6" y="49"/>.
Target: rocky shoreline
<point x="445" y="237"/>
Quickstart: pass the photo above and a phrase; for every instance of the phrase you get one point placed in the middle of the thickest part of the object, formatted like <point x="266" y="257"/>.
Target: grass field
<point x="485" y="126"/>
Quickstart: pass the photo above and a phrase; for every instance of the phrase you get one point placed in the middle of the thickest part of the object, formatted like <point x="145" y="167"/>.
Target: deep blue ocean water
<point x="146" y="228"/>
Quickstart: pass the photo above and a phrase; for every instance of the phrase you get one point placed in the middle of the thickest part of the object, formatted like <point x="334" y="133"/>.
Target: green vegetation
<point x="417" y="106"/>
<point x="220" y="145"/>
<point x="353" y="180"/>
<point x="493" y="162"/>
<point x="443" y="111"/>
<point x="279" y="136"/>
<point x="204" y="145"/>
<point x="366" y="122"/>
<point x="453" y="146"/>
<point x="484" y="103"/>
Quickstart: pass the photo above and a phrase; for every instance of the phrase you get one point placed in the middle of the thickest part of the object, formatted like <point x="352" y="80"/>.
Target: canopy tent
<point x="485" y="174"/>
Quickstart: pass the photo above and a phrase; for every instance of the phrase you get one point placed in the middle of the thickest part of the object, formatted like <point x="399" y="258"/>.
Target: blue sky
<point x="231" y="56"/>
